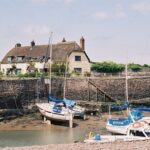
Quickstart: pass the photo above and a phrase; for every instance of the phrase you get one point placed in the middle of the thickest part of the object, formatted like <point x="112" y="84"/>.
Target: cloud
<point x="35" y="30"/>
<point x="101" y="15"/>
<point x="117" y="13"/>
<point x="141" y="7"/>
<point x="120" y="13"/>
<point x="40" y="1"/>
<point x="67" y="2"/>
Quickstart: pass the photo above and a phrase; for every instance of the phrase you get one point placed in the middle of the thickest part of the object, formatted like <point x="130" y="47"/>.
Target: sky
<point x="114" y="30"/>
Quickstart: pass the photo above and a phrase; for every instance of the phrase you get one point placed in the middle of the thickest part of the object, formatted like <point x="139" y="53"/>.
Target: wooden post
<point x="44" y="119"/>
<point x="88" y="91"/>
<point x="71" y="121"/>
<point x="104" y="98"/>
<point x="84" y="117"/>
<point x="96" y="94"/>
<point x="48" y="122"/>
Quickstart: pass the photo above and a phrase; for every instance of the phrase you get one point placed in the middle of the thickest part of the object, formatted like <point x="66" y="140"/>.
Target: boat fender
<point x="90" y="135"/>
<point x="97" y="137"/>
<point x="143" y="123"/>
<point x="136" y="124"/>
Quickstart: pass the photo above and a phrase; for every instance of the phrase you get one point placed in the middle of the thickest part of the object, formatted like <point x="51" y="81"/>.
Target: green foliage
<point x="134" y="67"/>
<point x="87" y="74"/>
<point x="59" y="68"/>
<point x="108" y="67"/>
<point x="146" y="66"/>
<point x="20" y="75"/>
<point x="30" y="74"/>
<point x="1" y="74"/>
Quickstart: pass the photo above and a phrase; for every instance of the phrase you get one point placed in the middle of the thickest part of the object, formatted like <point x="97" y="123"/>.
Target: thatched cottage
<point x="20" y="57"/>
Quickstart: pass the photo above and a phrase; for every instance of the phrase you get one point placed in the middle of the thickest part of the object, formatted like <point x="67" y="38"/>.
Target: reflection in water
<point x="52" y="136"/>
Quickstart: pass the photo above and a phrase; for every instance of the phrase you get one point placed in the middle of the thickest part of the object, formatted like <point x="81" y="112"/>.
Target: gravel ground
<point x="136" y="145"/>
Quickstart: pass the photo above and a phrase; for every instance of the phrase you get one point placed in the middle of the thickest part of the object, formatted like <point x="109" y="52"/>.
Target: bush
<point x="1" y="74"/>
<point x="87" y="74"/>
<point x="20" y="75"/>
<point x="108" y="67"/>
<point x="135" y="67"/>
<point x="76" y="73"/>
<point x="146" y="66"/>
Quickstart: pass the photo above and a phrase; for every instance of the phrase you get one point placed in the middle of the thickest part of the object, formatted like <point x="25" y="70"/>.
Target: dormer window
<point x="20" y="58"/>
<point x="77" y="58"/>
<point x="10" y="59"/>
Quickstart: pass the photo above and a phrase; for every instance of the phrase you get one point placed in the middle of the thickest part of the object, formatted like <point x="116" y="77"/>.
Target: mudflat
<point x="34" y="121"/>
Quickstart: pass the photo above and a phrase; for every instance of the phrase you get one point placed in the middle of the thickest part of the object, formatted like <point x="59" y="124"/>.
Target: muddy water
<point x="27" y="138"/>
<point x="41" y="137"/>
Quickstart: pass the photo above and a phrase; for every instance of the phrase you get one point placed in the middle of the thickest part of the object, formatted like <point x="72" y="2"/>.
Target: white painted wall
<point x="22" y="66"/>
<point x="84" y="63"/>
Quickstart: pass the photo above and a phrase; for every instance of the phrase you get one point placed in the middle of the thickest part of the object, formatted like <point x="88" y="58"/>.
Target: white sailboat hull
<point x="77" y="110"/>
<point x="117" y="129"/>
<point x="45" y="110"/>
<point x="147" y="119"/>
<point x="124" y="129"/>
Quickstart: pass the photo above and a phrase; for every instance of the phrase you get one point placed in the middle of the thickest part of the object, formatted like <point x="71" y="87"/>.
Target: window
<point x="77" y="58"/>
<point x="78" y="70"/>
<point x="20" y="58"/>
<point x="18" y="71"/>
<point x="9" y="59"/>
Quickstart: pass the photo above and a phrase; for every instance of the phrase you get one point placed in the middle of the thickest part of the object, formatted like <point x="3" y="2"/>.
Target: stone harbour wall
<point x="21" y="93"/>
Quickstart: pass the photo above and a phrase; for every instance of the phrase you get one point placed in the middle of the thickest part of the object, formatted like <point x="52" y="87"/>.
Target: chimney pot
<point x="64" y="40"/>
<point x="32" y="43"/>
<point x="18" y="45"/>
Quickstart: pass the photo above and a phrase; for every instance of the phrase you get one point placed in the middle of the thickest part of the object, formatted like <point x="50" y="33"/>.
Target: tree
<point x="59" y="68"/>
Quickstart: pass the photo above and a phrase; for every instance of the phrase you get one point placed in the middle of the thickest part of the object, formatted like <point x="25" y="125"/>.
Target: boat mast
<point x="64" y="96"/>
<point x="127" y="95"/>
<point x="50" y="63"/>
<point x="126" y="83"/>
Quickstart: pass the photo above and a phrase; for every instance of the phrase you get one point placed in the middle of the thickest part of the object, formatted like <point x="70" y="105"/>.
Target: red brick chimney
<point x="82" y="43"/>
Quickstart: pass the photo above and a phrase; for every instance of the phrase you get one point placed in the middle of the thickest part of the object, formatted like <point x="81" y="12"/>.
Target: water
<point x="52" y="136"/>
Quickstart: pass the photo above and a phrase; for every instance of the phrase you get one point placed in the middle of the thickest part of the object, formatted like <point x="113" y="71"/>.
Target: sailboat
<point x="78" y="111"/>
<point x="56" y="110"/>
<point x="135" y="118"/>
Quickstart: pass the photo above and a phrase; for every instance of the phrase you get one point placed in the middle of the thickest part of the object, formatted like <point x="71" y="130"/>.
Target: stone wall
<point x="115" y="87"/>
<point x="21" y="93"/>
<point x="18" y="93"/>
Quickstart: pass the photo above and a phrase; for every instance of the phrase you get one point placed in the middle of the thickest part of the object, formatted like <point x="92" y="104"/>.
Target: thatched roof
<point x="40" y="53"/>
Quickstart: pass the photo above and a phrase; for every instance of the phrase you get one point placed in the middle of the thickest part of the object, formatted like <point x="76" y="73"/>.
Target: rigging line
<point x="50" y="62"/>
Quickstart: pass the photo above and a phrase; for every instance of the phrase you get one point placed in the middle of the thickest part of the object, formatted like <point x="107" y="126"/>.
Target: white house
<point x="22" y="58"/>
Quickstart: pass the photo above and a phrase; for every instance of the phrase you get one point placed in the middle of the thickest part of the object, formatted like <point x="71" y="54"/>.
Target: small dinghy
<point x="134" y="134"/>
